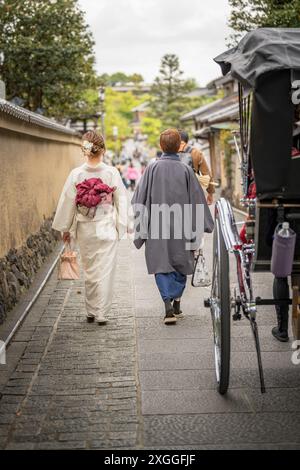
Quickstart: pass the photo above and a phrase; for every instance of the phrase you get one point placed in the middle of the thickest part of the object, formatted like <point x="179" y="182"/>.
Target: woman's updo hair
<point x="98" y="143"/>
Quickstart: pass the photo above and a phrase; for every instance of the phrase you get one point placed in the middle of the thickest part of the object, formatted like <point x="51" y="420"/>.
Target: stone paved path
<point x="136" y="383"/>
<point x="73" y="384"/>
<point x="180" y="405"/>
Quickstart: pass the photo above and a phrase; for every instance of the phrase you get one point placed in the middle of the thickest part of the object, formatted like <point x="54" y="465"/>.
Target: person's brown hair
<point x="98" y="142"/>
<point x="170" y="141"/>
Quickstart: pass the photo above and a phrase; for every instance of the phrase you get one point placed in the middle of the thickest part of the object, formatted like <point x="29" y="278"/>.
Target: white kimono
<point x="97" y="238"/>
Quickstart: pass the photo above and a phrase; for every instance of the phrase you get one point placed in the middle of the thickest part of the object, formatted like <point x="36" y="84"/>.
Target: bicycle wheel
<point x="221" y="309"/>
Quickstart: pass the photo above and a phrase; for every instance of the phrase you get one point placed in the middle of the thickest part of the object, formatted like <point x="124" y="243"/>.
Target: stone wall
<point x="36" y="156"/>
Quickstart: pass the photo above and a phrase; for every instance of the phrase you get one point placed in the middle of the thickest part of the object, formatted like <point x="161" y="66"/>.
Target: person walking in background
<point x="169" y="183"/>
<point x="93" y="209"/>
<point x="132" y="174"/>
<point x="143" y="167"/>
<point x="195" y="159"/>
<point x="121" y="168"/>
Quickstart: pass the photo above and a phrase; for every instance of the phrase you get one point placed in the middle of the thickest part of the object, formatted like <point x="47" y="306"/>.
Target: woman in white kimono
<point x="97" y="237"/>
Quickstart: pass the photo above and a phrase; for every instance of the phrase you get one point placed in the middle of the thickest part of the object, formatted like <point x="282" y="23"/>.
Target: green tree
<point x="104" y="80"/>
<point x="247" y="15"/>
<point x="120" y="78"/>
<point x="170" y="92"/>
<point x="151" y="127"/>
<point x="118" y="114"/>
<point x="136" y="78"/>
<point x="48" y="54"/>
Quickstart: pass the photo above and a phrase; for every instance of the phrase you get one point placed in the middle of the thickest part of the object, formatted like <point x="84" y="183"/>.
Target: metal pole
<point x="102" y="123"/>
<point x="101" y="92"/>
<point x="33" y="300"/>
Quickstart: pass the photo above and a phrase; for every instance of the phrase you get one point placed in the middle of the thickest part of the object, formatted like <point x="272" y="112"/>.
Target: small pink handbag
<point x="68" y="265"/>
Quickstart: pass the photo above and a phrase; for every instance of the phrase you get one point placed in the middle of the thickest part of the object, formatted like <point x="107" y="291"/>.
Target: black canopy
<point x="260" y="51"/>
<point x="267" y="61"/>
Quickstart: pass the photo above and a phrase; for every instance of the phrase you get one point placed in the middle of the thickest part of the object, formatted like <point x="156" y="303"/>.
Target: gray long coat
<point x="169" y="181"/>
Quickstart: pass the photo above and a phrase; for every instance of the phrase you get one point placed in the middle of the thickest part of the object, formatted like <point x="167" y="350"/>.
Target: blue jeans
<point x="170" y="285"/>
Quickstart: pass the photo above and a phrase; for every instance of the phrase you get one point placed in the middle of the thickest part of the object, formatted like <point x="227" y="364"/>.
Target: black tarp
<point x="267" y="60"/>
<point x="262" y="51"/>
<point x="271" y="137"/>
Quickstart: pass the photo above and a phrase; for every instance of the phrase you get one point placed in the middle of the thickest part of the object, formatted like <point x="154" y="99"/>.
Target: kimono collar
<point x="93" y="167"/>
<point x="170" y="156"/>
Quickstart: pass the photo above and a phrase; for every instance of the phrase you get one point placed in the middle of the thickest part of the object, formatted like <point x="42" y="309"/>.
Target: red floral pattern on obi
<point x="92" y="192"/>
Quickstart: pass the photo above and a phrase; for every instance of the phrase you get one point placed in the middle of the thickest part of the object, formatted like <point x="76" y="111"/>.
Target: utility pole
<point x="115" y="136"/>
<point x="2" y="84"/>
<point x="101" y="94"/>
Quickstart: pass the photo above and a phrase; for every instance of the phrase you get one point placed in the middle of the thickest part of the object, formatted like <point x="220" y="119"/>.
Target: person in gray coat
<point x="171" y="214"/>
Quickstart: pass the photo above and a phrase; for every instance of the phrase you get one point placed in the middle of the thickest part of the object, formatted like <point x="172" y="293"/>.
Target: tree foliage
<point x="170" y="93"/>
<point x="247" y="15"/>
<point x="120" y="78"/>
<point x="48" y="54"/>
<point x="151" y="127"/>
<point x="118" y="114"/>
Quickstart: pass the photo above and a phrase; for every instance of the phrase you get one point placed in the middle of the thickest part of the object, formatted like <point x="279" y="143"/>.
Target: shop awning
<point x="206" y="131"/>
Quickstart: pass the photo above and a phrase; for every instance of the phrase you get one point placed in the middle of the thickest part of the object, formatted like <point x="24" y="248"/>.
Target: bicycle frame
<point x="243" y="255"/>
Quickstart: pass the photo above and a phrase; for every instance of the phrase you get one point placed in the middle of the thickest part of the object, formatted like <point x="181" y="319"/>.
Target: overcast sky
<point x="132" y="35"/>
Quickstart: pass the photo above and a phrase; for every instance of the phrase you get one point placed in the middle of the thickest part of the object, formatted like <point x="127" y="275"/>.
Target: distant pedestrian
<point x="121" y="169"/>
<point x="195" y="159"/>
<point x="169" y="184"/>
<point x="93" y="209"/>
<point x="143" y="167"/>
<point x="132" y="175"/>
